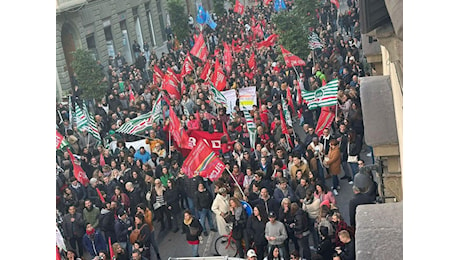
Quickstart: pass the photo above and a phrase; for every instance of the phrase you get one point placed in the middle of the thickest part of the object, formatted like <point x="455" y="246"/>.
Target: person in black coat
<point x="255" y="229"/>
<point x="203" y="202"/>
<point x="359" y="198"/>
<point x="74" y="229"/>
<point x="346" y="252"/>
<point x="123" y="226"/>
<point x="266" y="203"/>
<point x="192" y="229"/>
<point x="325" y="247"/>
<point x="135" y="198"/>
<point x="171" y="196"/>
<point x="107" y="222"/>
<point x="300" y="227"/>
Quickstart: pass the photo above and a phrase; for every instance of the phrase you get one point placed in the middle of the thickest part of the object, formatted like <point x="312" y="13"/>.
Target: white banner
<point x="230" y="95"/>
<point x="248" y="98"/>
<point x="136" y="145"/>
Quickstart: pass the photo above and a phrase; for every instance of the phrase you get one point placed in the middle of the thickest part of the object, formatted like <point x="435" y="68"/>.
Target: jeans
<point x="203" y="215"/>
<point x="354" y="169"/>
<point x="320" y="171"/>
<point x="314" y="232"/>
<point x="154" y="246"/>
<point x="335" y="181"/>
<point x="305" y="246"/>
<point x="346" y="170"/>
<point x="194" y="250"/>
<point x="191" y="206"/>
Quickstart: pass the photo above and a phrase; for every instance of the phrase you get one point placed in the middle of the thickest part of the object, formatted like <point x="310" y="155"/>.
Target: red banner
<point x="213" y="140"/>
<point x="204" y="162"/>
<point x="325" y="119"/>
<point x="218" y="78"/>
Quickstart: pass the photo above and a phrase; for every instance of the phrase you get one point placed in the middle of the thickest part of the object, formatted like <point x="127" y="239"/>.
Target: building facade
<point x="106" y="27"/>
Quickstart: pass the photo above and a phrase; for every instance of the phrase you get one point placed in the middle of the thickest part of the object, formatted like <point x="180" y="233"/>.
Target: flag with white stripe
<point x="251" y="128"/>
<point x="323" y="97"/>
<point x="85" y="121"/>
<point x="286" y="112"/>
<point x="219" y="98"/>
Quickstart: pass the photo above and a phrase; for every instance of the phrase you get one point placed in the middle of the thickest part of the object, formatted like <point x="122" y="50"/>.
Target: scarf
<point x="188" y="222"/>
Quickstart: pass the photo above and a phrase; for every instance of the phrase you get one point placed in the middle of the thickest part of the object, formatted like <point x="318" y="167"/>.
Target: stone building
<point x="379" y="227"/>
<point x="106" y="27"/>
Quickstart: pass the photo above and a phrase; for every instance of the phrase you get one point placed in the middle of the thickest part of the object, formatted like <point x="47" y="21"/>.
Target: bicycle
<point x="225" y="245"/>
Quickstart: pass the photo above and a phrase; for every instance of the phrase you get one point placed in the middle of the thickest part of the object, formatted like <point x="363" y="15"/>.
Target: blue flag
<point x="210" y="21"/>
<point x="202" y="15"/>
<point x="279" y="4"/>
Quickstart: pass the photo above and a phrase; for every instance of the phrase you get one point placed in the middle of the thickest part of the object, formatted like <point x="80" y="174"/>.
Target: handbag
<point x="193" y="230"/>
<point x="352" y="159"/>
<point x="156" y="205"/>
<point x="229" y="218"/>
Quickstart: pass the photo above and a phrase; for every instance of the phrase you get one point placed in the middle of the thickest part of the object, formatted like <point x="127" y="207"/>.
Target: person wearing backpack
<point x="301" y="229"/>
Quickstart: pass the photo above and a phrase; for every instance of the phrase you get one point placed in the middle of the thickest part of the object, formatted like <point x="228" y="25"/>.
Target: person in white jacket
<point x="220" y="206"/>
<point x="312" y="205"/>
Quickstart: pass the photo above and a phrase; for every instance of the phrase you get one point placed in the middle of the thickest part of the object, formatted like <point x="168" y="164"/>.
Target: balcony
<point x="66" y="5"/>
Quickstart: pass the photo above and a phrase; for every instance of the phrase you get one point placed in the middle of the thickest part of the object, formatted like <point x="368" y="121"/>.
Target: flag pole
<point x="169" y="147"/>
<point x="239" y="187"/>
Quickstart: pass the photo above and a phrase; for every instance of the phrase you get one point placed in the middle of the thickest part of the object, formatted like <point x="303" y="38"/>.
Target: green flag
<point x="218" y="97"/>
<point x="85" y="121"/>
<point x="251" y="128"/>
<point x="323" y="97"/>
<point x="286" y="112"/>
<point x="136" y="125"/>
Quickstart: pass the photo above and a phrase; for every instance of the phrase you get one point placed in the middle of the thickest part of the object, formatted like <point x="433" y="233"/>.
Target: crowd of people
<point x="133" y="193"/>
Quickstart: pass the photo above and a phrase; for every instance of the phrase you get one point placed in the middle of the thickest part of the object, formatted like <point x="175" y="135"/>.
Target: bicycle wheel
<point x="224" y="247"/>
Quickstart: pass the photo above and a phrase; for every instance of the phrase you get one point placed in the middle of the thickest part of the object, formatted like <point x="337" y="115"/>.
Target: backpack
<point x="136" y="235"/>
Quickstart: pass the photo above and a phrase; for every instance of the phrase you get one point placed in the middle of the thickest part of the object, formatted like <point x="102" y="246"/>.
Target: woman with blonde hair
<point x="119" y="252"/>
<point x="239" y="223"/>
<point x="158" y="202"/>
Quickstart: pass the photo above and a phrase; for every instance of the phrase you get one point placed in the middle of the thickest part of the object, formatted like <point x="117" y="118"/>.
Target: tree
<point x="293" y="27"/>
<point x="89" y="75"/>
<point x="179" y="20"/>
<point x="219" y="8"/>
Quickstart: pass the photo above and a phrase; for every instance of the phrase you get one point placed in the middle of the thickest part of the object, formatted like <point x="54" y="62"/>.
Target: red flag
<point x="157" y="75"/>
<point x="177" y="131"/>
<point x="204" y="162"/>
<point x="112" y="255"/>
<point x="218" y="78"/>
<point x="200" y="49"/>
<point x="239" y="7"/>
<point x="336" y="3"/>
<point x="289" y="98"/>
<point x="100" y="195"/>
<point x="290" y="59"/>
<point x="266" y="2"/>
<point x="227" y="58"/>
<point x="78" y="172"/>
<point x="283" y="123"/>
<point x="59" y="139"/>
<point x="258" y="31"/>
<point x="270" y="41"/>
<point x="173" y="75"/>
<point x="205" y="73"/>
<point x="197" y="117"/>
<point x="325" y="119"/>
<point x="224" y="129"/>
<point x="252" y="61"/>
<point x="58" y="255"/>
<point x="186" y="69"/>
<point x="170" y="86"/>
<point x="101" y="160"/>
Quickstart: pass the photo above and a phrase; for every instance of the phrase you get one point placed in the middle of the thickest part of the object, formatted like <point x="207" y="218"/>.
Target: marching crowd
<point x="132" y="194"/>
